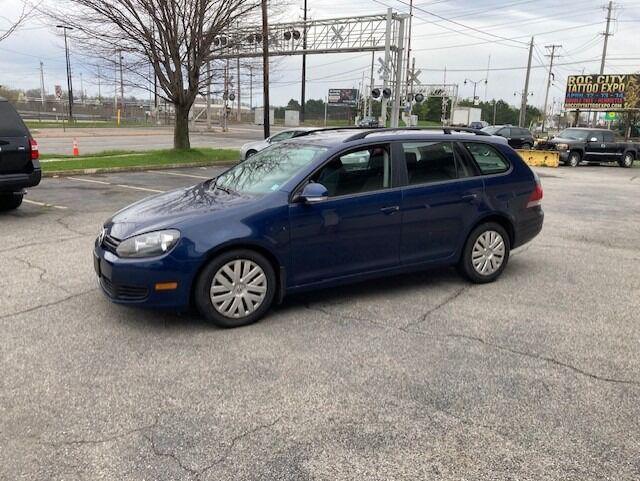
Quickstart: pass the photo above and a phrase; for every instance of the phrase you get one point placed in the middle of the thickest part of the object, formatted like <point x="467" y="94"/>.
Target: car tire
<point x="485" y="254"/>
<point x="250" y="153"/>
<point x="526" y="147"/>
<point x="574" y="159"/>
<point x="10" y="201"/>
<point x="627" y="160"/>
<point x="226" y="298"/>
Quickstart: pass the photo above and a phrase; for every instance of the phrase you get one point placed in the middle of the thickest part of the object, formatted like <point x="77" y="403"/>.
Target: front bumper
<point x="17" y="182"/>
<point x="133" y="281"/>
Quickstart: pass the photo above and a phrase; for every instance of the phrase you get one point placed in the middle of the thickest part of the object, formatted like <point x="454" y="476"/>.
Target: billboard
<point x="343" y="97"/>
<point x="603" y="92"/>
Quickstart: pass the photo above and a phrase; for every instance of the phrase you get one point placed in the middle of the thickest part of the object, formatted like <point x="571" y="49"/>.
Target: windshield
<point x="491" y="130"/>
<point x="269" y="169"/>
<point x="574" y="134"/>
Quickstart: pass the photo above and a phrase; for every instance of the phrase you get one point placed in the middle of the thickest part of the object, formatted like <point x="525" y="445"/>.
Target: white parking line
<point x="178" y="174"/>
<point x="44" y="204"/>
<point x="144" y="189"/>
<point x="89" y="180"/>
<point x="124" y="186"/>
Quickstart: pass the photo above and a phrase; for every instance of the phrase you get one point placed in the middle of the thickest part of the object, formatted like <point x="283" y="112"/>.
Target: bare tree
<point x="15" y="22"/>
<point x="174" y="37"/>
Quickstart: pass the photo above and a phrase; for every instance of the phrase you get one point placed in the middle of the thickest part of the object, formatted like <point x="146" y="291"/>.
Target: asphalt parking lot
<point x="534" y="377"/>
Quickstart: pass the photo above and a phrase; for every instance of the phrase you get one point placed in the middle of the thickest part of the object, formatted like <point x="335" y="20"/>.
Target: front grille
<point x="110" y="243"/>
<point x="123" y="293"/>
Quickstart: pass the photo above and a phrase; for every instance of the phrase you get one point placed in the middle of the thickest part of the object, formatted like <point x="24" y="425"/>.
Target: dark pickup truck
<point x="19" y="165"/>
<point x="577" y="145"/>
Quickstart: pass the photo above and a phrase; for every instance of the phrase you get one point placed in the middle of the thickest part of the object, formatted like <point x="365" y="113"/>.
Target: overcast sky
<point x="463" y="48"/>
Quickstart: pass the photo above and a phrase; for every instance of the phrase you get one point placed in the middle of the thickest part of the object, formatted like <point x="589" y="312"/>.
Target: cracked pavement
<point x="422" y="376"/>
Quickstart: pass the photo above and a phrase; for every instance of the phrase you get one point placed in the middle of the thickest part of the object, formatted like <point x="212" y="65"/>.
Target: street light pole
<point x="475" y="86"/>
<point x="69" y="82"/>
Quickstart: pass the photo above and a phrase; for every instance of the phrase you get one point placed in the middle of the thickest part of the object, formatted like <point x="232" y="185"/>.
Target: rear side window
<point x="488" y="159"/>
<point x="429" y="162"/>
<point x="524" y="133"/>
<point x="11" y="124"/>
<point x="608" y="136"/>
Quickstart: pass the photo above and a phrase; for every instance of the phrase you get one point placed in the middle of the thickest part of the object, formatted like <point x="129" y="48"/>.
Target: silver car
<point x="251" y="148"/>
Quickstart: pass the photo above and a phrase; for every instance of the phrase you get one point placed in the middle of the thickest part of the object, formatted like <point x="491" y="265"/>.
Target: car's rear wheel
<point x="526" y="146"/>
<point x="10" y="201"/>
<point x="574" y="159"/>
<point x="486" y="253"/>
<point x="627" y="160"/>
<point x="236" y="288"/>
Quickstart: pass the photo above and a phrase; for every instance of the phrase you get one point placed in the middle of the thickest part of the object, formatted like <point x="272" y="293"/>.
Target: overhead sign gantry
<point x="370" y="33"/>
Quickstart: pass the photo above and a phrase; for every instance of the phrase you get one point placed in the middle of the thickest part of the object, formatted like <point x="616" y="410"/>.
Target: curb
<point x="137" y="168"/>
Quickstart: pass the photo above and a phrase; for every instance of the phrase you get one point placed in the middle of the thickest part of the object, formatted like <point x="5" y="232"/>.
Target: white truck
<point x="463" y="116"/>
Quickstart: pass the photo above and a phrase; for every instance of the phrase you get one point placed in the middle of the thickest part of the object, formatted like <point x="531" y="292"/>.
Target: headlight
<point x="149" y="244"/>
<point x="562" y="146"/>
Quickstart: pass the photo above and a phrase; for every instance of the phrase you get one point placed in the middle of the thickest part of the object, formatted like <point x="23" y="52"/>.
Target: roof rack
<point x="329" y="129"/>
<point x="445" y="130"/>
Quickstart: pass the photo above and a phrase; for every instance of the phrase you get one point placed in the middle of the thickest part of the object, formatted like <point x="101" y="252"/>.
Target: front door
<point x="595" y="148"/>
<point x="357" y="228"/>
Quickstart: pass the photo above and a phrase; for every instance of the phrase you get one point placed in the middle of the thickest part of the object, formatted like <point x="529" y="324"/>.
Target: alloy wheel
<point x="488" y="253"/>
<point x="238" y="288"/>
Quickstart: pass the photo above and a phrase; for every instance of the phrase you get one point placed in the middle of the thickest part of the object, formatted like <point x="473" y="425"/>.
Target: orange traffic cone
<point x="76" y="149"/>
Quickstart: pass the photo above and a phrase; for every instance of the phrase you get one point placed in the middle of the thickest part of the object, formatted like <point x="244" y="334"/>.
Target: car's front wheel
<point x="10" y="201"/>
<point x="250" y="153"/>
<point x="486" y="253"/>
<point x="627" y="160"/>
<point x="574" y="159"/>
<point x="526" y="146"/>
<point x="236" y="288"/>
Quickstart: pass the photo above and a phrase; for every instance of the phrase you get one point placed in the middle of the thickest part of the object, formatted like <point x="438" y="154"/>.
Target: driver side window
<point x="355" y="172"/>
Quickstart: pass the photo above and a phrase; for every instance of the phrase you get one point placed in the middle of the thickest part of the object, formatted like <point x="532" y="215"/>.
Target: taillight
<point x="536" y="196"/>
<point x="35" y="153"/>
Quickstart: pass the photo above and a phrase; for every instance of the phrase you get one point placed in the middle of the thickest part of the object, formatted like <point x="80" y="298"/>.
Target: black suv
<point x="19" y="165"/>
<point x="517" y="137"/>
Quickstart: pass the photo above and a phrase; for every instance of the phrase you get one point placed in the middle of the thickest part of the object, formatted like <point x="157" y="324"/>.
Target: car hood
<point x="169" y="210"/>
<point x="560" y="140"/>
<point x="257" y="145"/>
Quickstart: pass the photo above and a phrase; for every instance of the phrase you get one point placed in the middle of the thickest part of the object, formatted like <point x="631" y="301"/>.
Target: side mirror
<point x="313" y="193"/>
<point x="268" y="140"/>
<point x="593" y="139"/>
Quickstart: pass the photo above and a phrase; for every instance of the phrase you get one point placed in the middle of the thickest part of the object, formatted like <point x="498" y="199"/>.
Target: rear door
<point x="440" y="201"/>
<point x="612" y="150"/>
<point x="15" y="155"/>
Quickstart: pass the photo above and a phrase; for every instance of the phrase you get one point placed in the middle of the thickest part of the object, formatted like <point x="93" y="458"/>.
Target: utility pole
<point x="239" y="111"/>
<point x="121" y="85"/>
<point x="371" y="86"/>
<point x="606" y="35"/>
<point x="99" y="86"/>
<point x="251" y="87"/>
<point x="525" y="92"/>
<point x="304" y="64"/>
<point x="42" y="94"/>
<point x="225" y="96"/>
<point x="486" y="84"/>
<point x="552" y="55"/>
<point x="69" y="82"/>
<point x="81" y="89"/>
<point x="209" y="95"/>
<point x="265" y="69"/>
<point x="409" y="45"/>
<point x="387" y="65"/>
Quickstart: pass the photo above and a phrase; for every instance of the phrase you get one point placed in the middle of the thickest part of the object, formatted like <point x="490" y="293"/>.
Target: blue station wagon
<point x="328" y="208"/>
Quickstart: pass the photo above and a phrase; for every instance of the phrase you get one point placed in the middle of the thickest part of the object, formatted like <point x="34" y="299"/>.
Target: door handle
<point x="390" y="210"/>
<point x="470" y="197"/>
